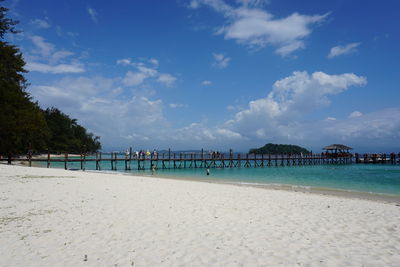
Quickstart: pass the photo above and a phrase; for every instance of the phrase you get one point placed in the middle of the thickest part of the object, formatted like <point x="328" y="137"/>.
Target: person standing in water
<point x="208" y="171"/>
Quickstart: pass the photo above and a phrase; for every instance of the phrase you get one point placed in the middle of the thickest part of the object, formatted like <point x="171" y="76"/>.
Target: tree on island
<point x="23" y="124"/>
<point x="278" y="149"/>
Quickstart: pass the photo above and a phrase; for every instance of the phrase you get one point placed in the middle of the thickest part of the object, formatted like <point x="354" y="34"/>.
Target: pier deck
<point x="171" y="160"/>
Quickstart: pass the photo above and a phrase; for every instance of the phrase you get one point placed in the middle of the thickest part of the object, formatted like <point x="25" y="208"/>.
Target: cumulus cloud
<point x="134" y="78"/>
<point x="166" y="79"/>
<point x="40" y="24"/>
<point x="124" y="61"/>
<point x="204" y="135"/>
<point x="250" y="25"/>
<point x="206" y="83"/>
<point x="122" y="118"/>
<point x="221" y="61"/>
<point x="343" y="50"/>
<point x="280" y="114"/>
<point x="93" y="14"/>
<point x="355" y="114"/>
<point x="376" y="130"/>
<point x="154" y="61"/>
<point x="144" y="70"/>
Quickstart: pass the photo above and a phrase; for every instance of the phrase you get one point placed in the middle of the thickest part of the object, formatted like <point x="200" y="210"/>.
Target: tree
<point x="279" y="149"/>
<point x="22" y="123"/>
<point x="67" y="134"/>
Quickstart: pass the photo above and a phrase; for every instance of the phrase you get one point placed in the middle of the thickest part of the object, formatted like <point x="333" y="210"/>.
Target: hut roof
<point x="337" y="146"/>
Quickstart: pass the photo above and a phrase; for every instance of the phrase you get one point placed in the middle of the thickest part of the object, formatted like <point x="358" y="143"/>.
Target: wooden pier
<point x="381" y="158"/>
<point x="173" y="160"/>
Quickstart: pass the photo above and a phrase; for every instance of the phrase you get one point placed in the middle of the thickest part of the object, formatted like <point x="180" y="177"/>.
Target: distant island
<point x="278" y="149"/>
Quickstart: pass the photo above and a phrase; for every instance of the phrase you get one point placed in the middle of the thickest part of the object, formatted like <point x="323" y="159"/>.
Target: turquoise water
<point x="381" y="179"/>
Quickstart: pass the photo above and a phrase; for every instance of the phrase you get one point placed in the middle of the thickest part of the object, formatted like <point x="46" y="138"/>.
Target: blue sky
<point x="218" y="74"/>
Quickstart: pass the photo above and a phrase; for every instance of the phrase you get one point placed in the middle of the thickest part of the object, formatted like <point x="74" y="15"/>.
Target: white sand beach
<point x="52" y="217"/>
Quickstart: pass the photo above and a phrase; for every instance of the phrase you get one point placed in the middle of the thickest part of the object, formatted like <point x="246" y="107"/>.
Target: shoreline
<point x="378" y="197"/>
<point x="337" y="192"/>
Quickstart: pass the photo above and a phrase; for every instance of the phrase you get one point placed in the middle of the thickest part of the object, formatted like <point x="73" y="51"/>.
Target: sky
<point x="218" y="74"/>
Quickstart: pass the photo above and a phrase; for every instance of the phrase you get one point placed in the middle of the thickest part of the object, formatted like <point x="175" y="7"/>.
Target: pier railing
<point x="176" y="160"/>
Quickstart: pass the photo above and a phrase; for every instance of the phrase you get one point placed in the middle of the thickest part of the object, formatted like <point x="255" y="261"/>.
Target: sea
<point x="381" y="179"/>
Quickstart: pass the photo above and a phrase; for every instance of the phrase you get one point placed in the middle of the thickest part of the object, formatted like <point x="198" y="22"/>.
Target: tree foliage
<point x="278" y="149"/>
<point x="23" y="124"/>
<point x="67" y="134"/>
<point x="6" y="24"/>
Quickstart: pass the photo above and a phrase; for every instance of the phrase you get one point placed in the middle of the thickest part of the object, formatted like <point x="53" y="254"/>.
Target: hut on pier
<point x="337" y="150"/>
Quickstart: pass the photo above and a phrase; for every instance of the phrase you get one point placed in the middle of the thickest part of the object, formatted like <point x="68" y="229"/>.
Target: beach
<point x="53" y="217"/>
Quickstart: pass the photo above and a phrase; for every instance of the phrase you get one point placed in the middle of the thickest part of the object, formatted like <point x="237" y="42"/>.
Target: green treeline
<point x="23" y="124"/>
<point x="278" y="149"/>
<point x="67" y="135"/>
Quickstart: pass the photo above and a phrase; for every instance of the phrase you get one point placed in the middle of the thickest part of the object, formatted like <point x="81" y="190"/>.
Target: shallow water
<point x="381" y="179"/>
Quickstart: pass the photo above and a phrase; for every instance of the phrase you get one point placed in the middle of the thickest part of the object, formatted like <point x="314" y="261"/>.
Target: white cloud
<point x="355" y="114"/>
<point x="73" y="34"/>
<point x="166" y="79"/>
<point x="93" y="14"/>
<point x="134" y="78"/>
<point x="43" y="48"/>
<point x="280" y="114"/>
<point x="204" y="136"/>
<point x="55" y="69"/>
<point x="144" y="72"/>
<point x="343" y="50"/>
<point x="253" y="3"/>
<point x="250" y="25"/>
<point x="378" y="128"/>
<point x="123" y="119"/>
<point x="206" y="83"/>
<point x="124" y="61"/>
<point x="330" y="119"/>
<point x="154" y="61"/>
<point x="228" y="134"/>
<point x="148" y="71"/>
<point x="59" y="55"/>
<point x="96" y="101"/>
<point x="285" y="50"/>
<point x="221" y="61"/>
<point x="279" y="117"/>
<point x="194" y="4"/>
<point x="39" y="23"/>
<point x="47" y="59"/>
<point x="177" y="105"/>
